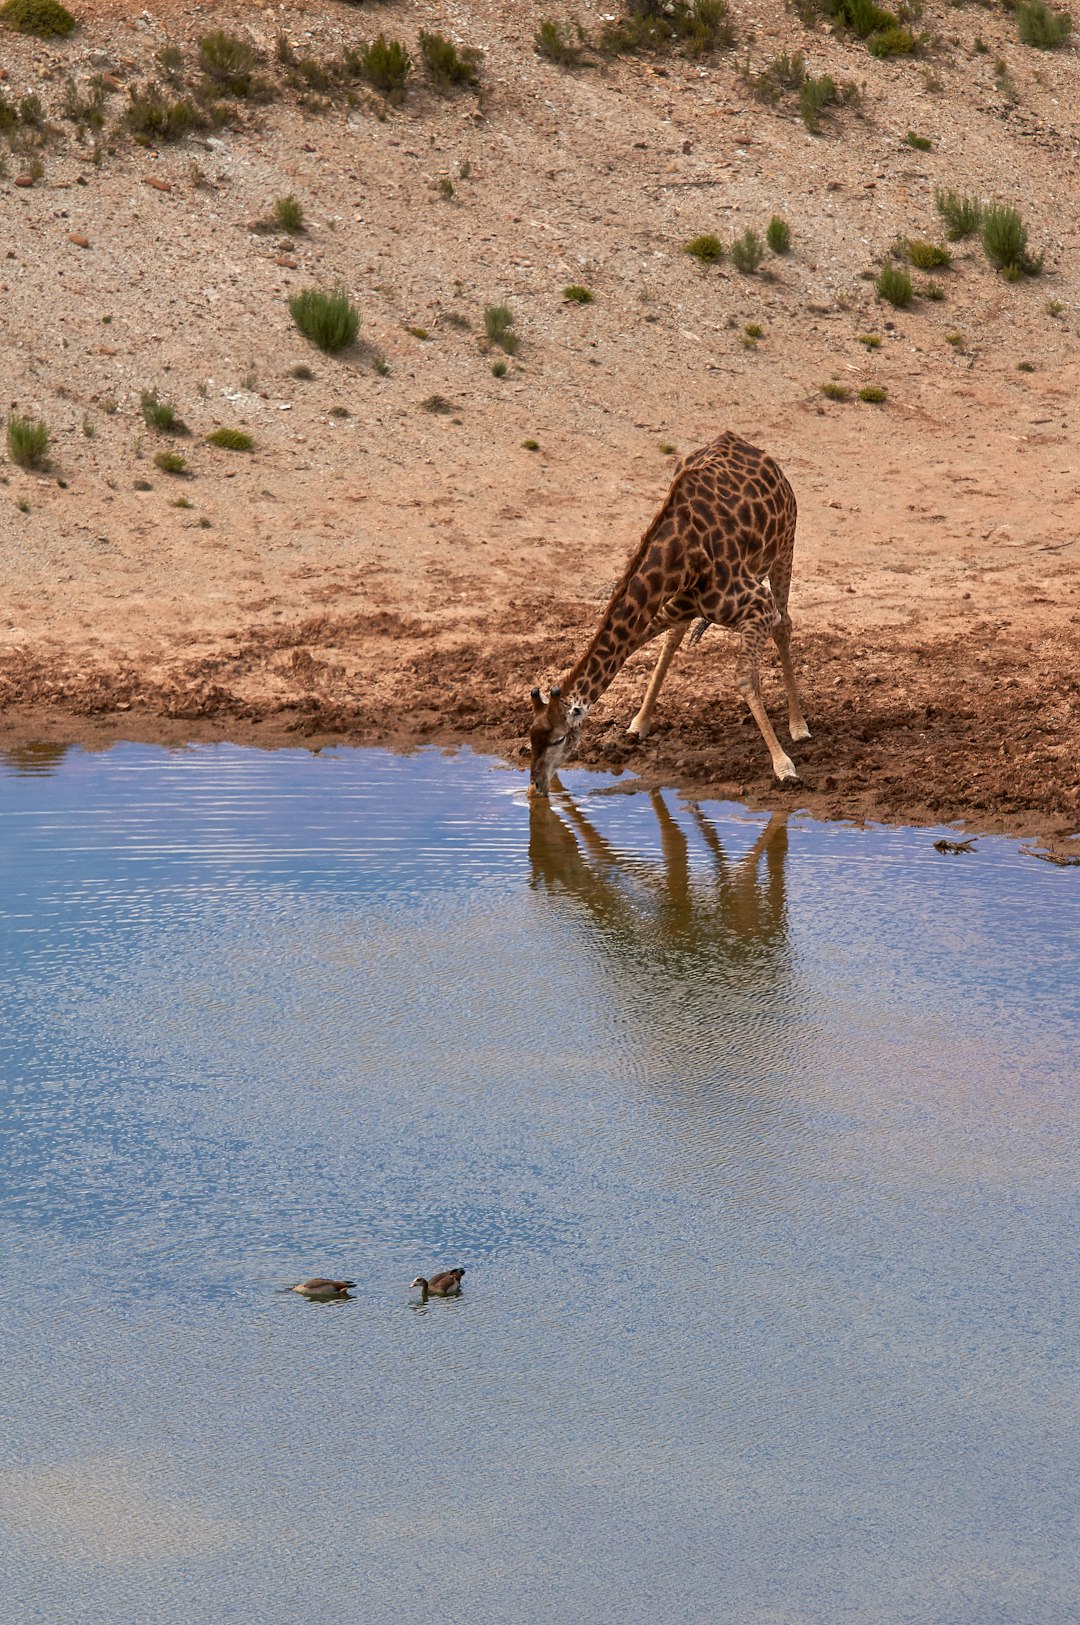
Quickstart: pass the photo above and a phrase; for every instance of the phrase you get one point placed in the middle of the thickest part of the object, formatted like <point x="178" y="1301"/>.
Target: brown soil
<point x="397" y="576"/>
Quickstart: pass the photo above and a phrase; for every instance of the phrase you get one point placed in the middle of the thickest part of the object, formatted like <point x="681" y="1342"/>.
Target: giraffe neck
<point x="634" y="605"/>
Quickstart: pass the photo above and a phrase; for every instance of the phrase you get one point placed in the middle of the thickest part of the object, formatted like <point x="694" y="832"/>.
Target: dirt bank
<point x="391" y="562"/>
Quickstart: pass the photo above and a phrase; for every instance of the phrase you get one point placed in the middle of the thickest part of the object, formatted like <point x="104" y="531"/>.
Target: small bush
<point x="1025" y="366"/>
<point x="329" y="320"/>
<point x="159" y="414"/>
<point x="575" y="294"/>
<point x="778" y="235"/>
<point x="498" y="369"/>
<point x="781" y="73"/>
<point x="150" y="116"/>
<point x="303" y="373"/>
<point x="921" y="143"/>
<point x="171" y="462"/>
<point x="836" y="392"/>
<point x="753" y="331"/>
<point x="1004" y="240"/>
<point x="141" y="485"/>
<point x="170" y="61"/>
<point x="962" y="214"/>
<point x="228" y="62"/>
<point x="86" y="111"/>
<point x="706" y="249"/>
<point x="926" y="256"/>
<point x="648" y="25"/>
<point x="747" y="252"/>
<point x="893" y="286"/>
<point x="815" y="95"/>
<point x="956" y="340"/>
<point x="874" y="394"/>
<point x="45" y="18"/>
<point x="896" y="41"/>
<point x="385" y="65"/>
<point x="871" y="340"/>
<point x="181" y="502"/>
<point x="448" y="67"/>
<point x="499" y="327"/>
<point x="551" y="43"/>
<point x="933" y="291"/>
<point x="288" y="213"/>
<point x="230" y="440"/>
<point x="531" y="445"/>
<point x="28" y="441"/>
<point x="438" y="404"/>
<point x="1043" y="27"/>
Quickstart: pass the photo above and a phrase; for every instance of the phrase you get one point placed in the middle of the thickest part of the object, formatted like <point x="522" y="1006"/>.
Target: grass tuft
<point x="962" y="214"/>
<point x="706" y="249"/>
<point x="289" y="213"/>
<point x="894" y="286"/>
<point x="551" y="43"/>
<point x="499" y="327"/>
<point x="28" y="441"/>
<point x="926" y="256"/>
<point x="449" y="68"/>
<point x="575" y="294"/>
<point x="921" y="143"/>
<point x="1042" y="27"/>
<point x="171" y="462"/>
<point x="836" y="392"/>
<point x="228" y="62"/>
<point x="747" y="252"/>
<point x="159" y="414"/>
<point x="230" y="440"/>
<point x="778" y="235"/>
<point x="874" y="394"/>
<point x="151" y="116"/>
<point x="531" y="445"/>
<point x="385" y="65"/>
<point x="437" y="404"/>
<point x="871" y="340"/>
<point x="499" y="369"/>
<point x="45" y="18"/>
<point x="1005" y="239"/>
<point x="329" y="320"/>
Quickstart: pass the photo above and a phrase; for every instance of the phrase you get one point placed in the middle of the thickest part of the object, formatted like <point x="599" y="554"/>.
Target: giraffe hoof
<point x="785" y="770"/>
<point x="801" y="732"/>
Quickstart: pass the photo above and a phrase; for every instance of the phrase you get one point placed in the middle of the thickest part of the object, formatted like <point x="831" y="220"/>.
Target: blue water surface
<point x="756" y="1138"/>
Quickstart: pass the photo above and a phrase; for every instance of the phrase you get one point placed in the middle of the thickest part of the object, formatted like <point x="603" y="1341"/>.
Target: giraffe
<point x="718" y="550"/>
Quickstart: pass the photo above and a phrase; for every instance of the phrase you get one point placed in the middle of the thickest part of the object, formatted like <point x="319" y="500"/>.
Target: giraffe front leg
<point x="640" y="724"/>
<point x="753" y="631"/>
<point x="797" y="726"/>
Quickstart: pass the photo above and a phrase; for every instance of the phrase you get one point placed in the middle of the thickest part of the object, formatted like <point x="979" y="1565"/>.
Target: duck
<point x="447" y="1284"/>
<point x="322" y="1289"/>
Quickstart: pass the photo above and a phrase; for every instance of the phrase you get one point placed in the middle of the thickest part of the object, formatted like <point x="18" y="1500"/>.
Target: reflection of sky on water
<point x="756" y="1139"/>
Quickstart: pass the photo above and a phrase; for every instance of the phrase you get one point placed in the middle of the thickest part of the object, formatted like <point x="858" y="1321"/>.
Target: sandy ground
<point x="376" y="572"/>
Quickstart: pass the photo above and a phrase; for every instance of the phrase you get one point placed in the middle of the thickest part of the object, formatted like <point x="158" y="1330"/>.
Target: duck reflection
<point x="726" y="917"/>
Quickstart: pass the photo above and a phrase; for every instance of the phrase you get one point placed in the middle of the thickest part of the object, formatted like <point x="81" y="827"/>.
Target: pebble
<point x="78" y="239"/>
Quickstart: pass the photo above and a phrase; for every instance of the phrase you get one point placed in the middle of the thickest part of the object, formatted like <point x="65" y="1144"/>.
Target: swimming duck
<point x="320" y="1288"/>
<point x="447" y="1284"/>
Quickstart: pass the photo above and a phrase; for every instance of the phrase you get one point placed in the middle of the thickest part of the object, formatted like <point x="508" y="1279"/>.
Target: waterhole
<point x="755" y="1137"/>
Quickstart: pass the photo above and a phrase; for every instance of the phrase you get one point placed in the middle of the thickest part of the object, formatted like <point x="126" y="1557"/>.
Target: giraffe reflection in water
<point x="729" y="920"/>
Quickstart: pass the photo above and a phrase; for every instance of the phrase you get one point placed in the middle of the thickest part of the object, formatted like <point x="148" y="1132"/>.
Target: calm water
<point x="757" y="1141"/>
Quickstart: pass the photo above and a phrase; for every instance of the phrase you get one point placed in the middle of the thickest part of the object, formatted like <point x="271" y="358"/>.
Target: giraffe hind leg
<point x="797" y="725"/>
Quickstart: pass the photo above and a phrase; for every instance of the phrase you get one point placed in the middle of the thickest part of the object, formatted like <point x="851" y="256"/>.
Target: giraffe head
<point x="553" y="735"/>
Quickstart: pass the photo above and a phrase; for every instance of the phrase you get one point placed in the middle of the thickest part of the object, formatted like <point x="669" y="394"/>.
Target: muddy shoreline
<point x="917" y="733"/>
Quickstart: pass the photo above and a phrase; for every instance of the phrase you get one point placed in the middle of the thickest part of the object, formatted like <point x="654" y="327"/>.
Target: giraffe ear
<point x="537" y="699"/>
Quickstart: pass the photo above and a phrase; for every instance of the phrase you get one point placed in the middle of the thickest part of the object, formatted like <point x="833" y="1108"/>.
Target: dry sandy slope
<point x="398" y="575"/>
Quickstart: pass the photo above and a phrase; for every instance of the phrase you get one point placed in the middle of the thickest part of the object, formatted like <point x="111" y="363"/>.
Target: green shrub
<point x="962" y="215"/>
<point x="650" y="25"/>
<point x="228" y="62"/>
<point x="499" y="327"/>
<point x="926" y="256"/>
<point x="575" y="294"/>
<point x="816" y="94"/>
<point x="531" y="445"/>
<point x="385" y="65"/>
<point x="1005" y="239"/>
<point x="896" y="41"/>
<point x="141" y="485"/>
<point x="921" y="143"/>
<point x="781" y="73"/>
<point x="171" y="462"/>
<point x="836" y="392"/>
<point x="288" y="213"/>
<point x="1043" y="27"/>
<point x="1025" y="366"/>
<point x="706" y="249"/>
<point x="894" y="286"/>
<point x="438" y="404"/>
<point x="551" y="43"/>
<point x="778" y="235"/>
<point x="303" y="373"/>
<point x="86" y="111"/>
<point x="230" y="440"/>
<point x="933" y="291"/>
<point x="707" y="27"/>
<point x="747" y="252"/>
<point x="871" y="340"/>
<point x="498" y="369"/>
<point x="159" y="414"/>
<point x="753" y="331"/>
<point x="28" y="441"/>
<point x="150" y="116"/>
<point x="45" y="18"/>
<point x="329" y="320"/>
<point x="32" y="112"/>
<point x="170" y="61"/>
<point x="874" y="394"/>
<point x="449" y="68"/>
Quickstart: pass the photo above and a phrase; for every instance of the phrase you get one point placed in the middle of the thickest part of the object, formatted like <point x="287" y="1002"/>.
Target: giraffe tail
<point x="699" y="629"/>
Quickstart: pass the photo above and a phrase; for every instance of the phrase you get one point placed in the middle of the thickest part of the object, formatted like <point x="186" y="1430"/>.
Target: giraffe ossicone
<point x="719" y="550"/>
